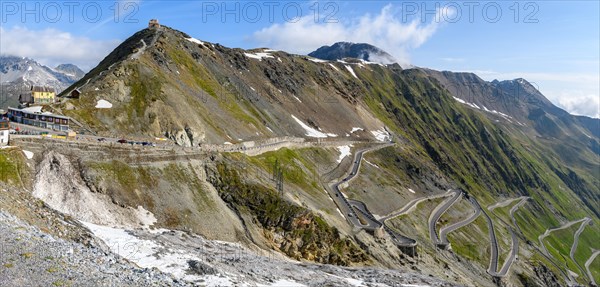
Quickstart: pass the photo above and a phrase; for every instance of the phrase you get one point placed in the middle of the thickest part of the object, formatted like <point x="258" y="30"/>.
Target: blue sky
<point x="555" y="44"/>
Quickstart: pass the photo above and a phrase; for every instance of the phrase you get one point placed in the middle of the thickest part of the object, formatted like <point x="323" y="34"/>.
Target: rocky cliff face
<point x="295" y="231"/>
<point x="59" y="184"/>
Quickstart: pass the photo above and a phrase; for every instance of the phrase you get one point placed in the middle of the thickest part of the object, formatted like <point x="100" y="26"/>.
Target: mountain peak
<point x="363" y="51"/>
<point x="70" y="70"/>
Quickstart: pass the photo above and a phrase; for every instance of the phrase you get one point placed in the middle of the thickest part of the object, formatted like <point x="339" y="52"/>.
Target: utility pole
<point x="275" y="170"/>
<point x="280" y="182"/>
<point x="278" y="177"/>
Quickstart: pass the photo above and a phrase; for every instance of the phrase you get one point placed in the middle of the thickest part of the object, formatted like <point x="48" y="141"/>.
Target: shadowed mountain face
<point x="341" y="50"/>
<point x="572" y="139"/>
<point x="491" y="139"/>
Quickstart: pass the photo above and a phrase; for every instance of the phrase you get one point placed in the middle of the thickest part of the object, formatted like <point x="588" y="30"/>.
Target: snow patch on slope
<point x="148" y="254"/>
<point x="371" y="164"/>
<point x="258" y="56"/>
<point x="381" y="135"/>
<point x="356" y="130"/>
<point x="475" y="106"/>
<point x="317" y="60"/>
<point x="467" y="103"/>
<point x="344" y="152"/>
<point x="103" y="104"/>
<point x="28" y="154"/>
<point x="351" y="71"/>
<point x="194" y="40"/>
<point x="310" y="132"/>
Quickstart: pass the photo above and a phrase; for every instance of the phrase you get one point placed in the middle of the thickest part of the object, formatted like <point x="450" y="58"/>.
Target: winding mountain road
<point x="347" y="209"/>
<point x="444" y="231"/>
<point x="544" y="250"/>
<point x="411" y="205"/>
<point x="514" y="249"/>
<point x="550" y="230"/>
<point x="439" y="210"/>
<point x="584" y="223"/>
<point x="514" y="209"/>
<point x="352" y="208"/>
<point x="549" y="258"/>
<point x="493" y="242"/>
<point x="504" y="203"/>
<point x="358" y="215"/>
<point x="587" y="266"/>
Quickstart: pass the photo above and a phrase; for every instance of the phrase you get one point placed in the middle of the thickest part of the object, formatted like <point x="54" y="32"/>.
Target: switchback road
<point x="587" y="266"/>
<point x="411" y="205"/>
<point x="548" y="231"/>
<point x="514" y="249"/>
<point x="505" y="203"/>
<point x="514" y="209"/>
<point x="439" y="210"/>
<point x="493" y="242"/>
<point x="352" y="209"/>
<point x="444" y="231"/>
<point x="585" y="223"/>
<point x="342" y="202"/>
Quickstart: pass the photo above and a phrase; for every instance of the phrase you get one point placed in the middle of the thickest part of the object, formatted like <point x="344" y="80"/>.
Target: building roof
<point x="32" y="110"/>
<point x="40" y="89"/>
<point x="38" y="111"/>
<point x="26" y="98"/>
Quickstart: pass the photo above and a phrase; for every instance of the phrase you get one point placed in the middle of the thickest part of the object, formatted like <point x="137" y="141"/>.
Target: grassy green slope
<point x="479" y="155"/>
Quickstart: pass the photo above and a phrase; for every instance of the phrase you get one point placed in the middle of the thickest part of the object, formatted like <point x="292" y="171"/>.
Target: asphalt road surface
<point x="438" y="212"/>
<point x="576" y="242"/>
<point x="588" y="263"/>
<point x="444" y="231"/>
<point x="411" y="205"/>
<point x="342" y="202"/>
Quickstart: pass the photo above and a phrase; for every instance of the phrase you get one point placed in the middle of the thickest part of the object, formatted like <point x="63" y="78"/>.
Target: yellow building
<point x="42" y="95"/>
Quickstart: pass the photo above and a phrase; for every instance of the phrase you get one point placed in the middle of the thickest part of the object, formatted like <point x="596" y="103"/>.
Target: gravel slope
<point x="30" y="257"/>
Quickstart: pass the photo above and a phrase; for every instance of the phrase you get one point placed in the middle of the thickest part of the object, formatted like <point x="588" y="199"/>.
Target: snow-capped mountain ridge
<point x="363" y="51"/>
<point x="24" y="69"/>
<point x="18" y="74"/>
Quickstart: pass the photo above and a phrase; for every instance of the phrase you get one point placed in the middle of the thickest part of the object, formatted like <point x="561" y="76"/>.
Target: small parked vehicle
<point x="122" y="141"/>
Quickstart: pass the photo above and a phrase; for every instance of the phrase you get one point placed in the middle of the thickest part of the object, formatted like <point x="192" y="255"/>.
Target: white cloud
<point x="453" y="60"/>
<point x="578" y="102"/>
<point x="52" y="47"/>
<point x="385" y="30"/>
